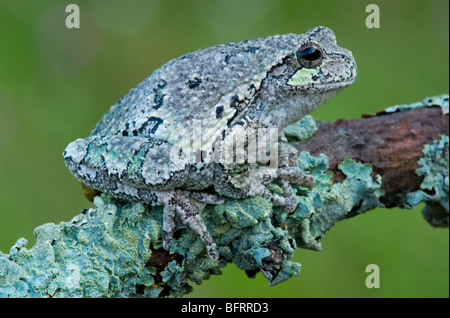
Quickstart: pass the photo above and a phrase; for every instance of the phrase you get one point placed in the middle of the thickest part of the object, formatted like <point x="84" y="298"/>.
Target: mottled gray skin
<point x="138" y="150"/>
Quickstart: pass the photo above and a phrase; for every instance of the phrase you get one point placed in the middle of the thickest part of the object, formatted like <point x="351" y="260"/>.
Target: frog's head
<point x="312" y="72"/>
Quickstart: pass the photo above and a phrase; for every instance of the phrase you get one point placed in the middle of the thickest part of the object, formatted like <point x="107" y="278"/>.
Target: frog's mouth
<point x="313" y="87"/>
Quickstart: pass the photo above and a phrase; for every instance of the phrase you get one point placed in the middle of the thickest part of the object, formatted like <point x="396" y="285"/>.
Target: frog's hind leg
<point x="180" y="205"/>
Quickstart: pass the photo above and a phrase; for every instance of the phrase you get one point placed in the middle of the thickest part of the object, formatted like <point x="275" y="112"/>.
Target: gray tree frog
<point x="139" y="150"/>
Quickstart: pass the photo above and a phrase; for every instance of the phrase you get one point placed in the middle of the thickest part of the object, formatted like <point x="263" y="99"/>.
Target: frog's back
<point x="211" y="85"/>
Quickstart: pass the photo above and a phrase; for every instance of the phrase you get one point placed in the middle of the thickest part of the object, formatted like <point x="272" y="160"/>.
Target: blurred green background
<point x="56" y="83"/>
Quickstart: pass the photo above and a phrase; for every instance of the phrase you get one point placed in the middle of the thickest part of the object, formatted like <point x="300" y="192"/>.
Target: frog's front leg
<point x="179" y="204"/>
<point x="145" y="170"/>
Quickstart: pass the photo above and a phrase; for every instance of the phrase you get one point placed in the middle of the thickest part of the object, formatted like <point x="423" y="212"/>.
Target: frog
<point x="164" y="143"/>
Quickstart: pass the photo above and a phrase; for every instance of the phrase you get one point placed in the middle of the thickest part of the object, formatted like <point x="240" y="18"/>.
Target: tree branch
<point x="398" y="157"/>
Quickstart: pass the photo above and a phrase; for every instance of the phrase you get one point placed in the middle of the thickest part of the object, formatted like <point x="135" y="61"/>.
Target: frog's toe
<point x="206" y="198"/>
<point x="169" y="224"/>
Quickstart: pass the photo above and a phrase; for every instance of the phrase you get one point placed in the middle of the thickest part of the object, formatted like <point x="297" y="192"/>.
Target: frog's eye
<point x="309" y="55"/>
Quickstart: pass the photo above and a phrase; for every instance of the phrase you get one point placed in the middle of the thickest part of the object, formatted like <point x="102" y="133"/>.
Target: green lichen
<point x="301" y="130"/>
<point x="434" y="189"/>
<point x="320" y="207"/>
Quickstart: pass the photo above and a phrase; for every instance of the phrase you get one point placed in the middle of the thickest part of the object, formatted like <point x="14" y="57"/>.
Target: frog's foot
<point x="288" y="168"/>
<point x="187" y="207"/>
<point x="287" y="201"/>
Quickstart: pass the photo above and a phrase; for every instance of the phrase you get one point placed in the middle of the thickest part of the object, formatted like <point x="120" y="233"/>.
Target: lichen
<point x="440" y="101"/>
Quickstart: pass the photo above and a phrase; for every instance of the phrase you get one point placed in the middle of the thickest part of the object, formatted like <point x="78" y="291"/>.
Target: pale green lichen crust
<point x="302" y="129"/>
<point x="172" y="136"/>
<point x="440" y="100"/>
